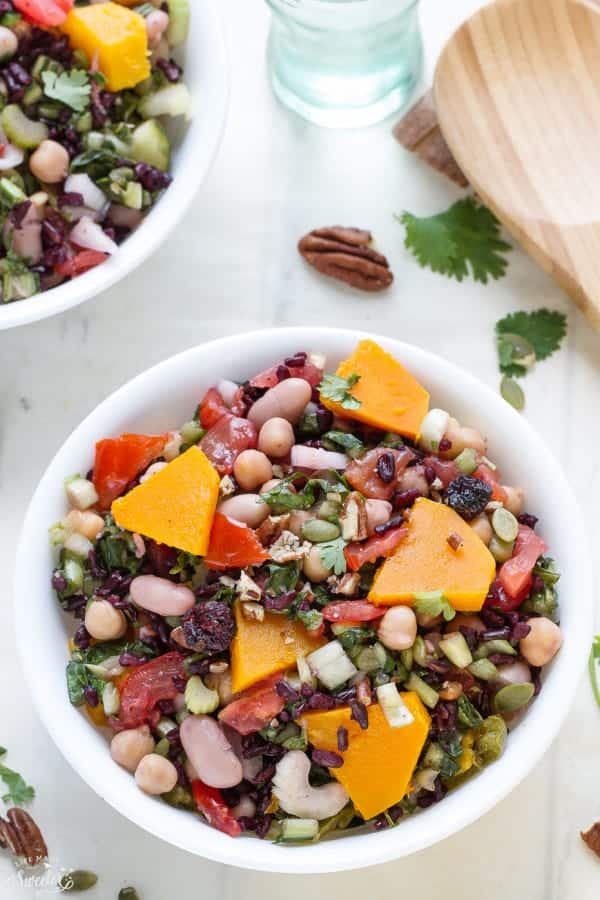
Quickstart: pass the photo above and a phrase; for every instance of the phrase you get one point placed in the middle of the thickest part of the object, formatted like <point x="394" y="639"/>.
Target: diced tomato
<point x="120" y="460"/>
<point x="80" y="263"/>
<point x="210" y="803"/>
<point x="491" y="478"/>
<point x="44" y="12"/>
<point x="254" y="708"/>
<point x="360" y="552"/>
<point x="362" y="473"/>
<point x="445" y="469"/>
<point x="212" y="408"/>
<point x="224" y="442"/>
<point x="233" y="545"/>
<point x="515" y="574"/>
<point x="147" y="684"/>
<point x="239" y="407"/>
<point x="352" y="611"/>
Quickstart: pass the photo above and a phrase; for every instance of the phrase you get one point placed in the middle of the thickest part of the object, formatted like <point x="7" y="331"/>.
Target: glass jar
<point x="344" y="63"/>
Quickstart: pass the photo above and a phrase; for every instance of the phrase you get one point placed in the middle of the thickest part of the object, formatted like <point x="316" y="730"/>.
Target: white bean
<point x="50" y="162"/>
<point x="104" y="622"/>
<point x="313" y="566"/>
<point x="87" y="523"/>
<point x="378" y="513"/>
<point x="155" y="774"/>
<point x="152" y="470"/>
<point x="250" y="509"/>
<point x="398" y="628"/>
<point x="210" y="752"/>
<point x="287" y="399"/>
<point x="251" y="469"/>
<point x="159" y="595"/>
<point x="482" y="528"/>
<point x="276" y="437"/>
<point x="129" y="747"/>
<point x="542" y="643"/>
<point x="515" y="499"/>
<point x="156" y="25"/>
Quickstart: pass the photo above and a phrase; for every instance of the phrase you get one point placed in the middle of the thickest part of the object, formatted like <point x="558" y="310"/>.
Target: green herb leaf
<point x="282" y="578"/>
<point x="71" y="88"/>
<point x="343" y="440"/>
<point x="433" y="603"/>
<point x="282" y="497"/>
<point x="462" y="240"/>
<point x="467" y="714"/>
<point x="543" y="330"/>
<point x="337" y="389"/>
<point x="310" y="618"/>
<point x="19" y="792"/>
<point x="332" y="555"/>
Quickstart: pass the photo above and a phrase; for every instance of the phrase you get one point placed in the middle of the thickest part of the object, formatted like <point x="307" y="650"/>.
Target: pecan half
<point x="20" y="834"/>
<point x="346" y="254"/>
<point x="353" y="518"/>
<point x="420" y="133"/>
<point x="592" y="838"/>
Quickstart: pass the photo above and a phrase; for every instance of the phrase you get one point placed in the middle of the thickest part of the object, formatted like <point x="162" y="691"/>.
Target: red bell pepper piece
<point x="120" y="460"/>
<point x="212" y="408"/>
<point x="360" y="552"/>
<point x="352" y="611"/>
<point x="254" y="708"/>
<point x="210" y="803"/>
<point x="233" y="545"/>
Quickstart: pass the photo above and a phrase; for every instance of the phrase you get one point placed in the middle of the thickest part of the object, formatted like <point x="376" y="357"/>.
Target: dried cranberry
<point x="468" y="496"/>
<point x="209" y="627"/>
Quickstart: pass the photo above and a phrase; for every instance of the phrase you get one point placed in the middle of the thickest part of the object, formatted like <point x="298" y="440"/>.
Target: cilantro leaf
<point x="332" y="555"/>
<point x="462" y="240"/>
<point x="468" y="715"/>
<point x="337" y="389"/>
<point x="19" y="792"/>
<point x="542" y="331"/>
<point x="71" y="88"/>
<point x="432" y="604"/>
<point x="593" y="662"/>
<point x="344" y="441"/>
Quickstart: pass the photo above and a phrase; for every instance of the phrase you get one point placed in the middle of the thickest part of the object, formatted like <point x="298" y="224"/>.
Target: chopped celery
<point x="298" y="830"/>
<point x="394" y="709"/>
<point x="150" y="144"/>
<point x="73" y="572"/>
<point x="198" y="698"/>
<point x="455" y="647"/>
<point x="173" y="100"/>
<point x="179" y="22"/>
<point x="423" y="690"/>
<point x="191" y="432"/>
<point x="10" y="193"/>
<point x="495" y="646"/>
<point x="20" y="130"/>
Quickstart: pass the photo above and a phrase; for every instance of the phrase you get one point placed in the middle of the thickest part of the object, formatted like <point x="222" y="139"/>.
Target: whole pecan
<point x="592" y="838"/>
<point x="20" y="834"/>
<point x="346" y="254"/>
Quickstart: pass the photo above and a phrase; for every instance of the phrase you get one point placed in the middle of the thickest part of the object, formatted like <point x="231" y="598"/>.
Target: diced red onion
<point x="303" y="457"/>
<point x="90" y="235"/>
<point x="517" y="672"/>
<point x="82" y="184"/>
<point x="124" y="217"/>
<point x="11" y="157"/>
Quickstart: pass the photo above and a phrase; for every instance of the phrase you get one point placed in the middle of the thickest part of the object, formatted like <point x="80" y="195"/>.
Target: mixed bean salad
<point x="85" y="90"/>
<point x="314" y="605"/>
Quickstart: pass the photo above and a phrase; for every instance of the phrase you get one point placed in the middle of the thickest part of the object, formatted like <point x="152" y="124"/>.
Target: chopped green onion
<point x="423" y="690"/>
<point x="455" y="647"/>
<point x="293" y="830"/>
<point x="394" y="709"/>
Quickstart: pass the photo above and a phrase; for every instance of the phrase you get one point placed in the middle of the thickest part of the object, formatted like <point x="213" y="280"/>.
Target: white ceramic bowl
<point x="207" y="77"/>
<point x="165" y="396"/>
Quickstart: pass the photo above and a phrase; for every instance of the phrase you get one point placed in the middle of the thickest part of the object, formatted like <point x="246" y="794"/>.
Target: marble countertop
<point x="232" y="266"/>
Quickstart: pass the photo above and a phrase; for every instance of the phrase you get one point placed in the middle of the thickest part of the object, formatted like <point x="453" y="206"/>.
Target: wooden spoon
<point x="517" y="93"/>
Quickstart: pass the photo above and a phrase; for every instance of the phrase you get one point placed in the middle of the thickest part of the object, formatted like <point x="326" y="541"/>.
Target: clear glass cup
<point x="344" y="63"/>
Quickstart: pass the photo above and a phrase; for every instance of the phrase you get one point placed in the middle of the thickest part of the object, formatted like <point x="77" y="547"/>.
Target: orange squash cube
<point x="260" y="649"/>
<point x="379" y="761"/>
<point x="425" y="561"/>
<point x="391" y="399"/>
<point x="176" y="506"/>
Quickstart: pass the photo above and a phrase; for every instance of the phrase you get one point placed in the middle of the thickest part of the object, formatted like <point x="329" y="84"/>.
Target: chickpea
<point x="297" y="519"/>
<point x="50" y="162"/>
<point x="250" y="509"/>
<point x="276" y="437"/>
<point x="251" y="469"/>
<point x="414" y="479"/>
<point x="155" y="774"/>
<point x="378" y="513"/>
<point x="542" y="643"/>
<point x="482" y="528"/>
<point x="462" y="437"/>
<point x="515" y="499"/>
<point x="104" y="622"/>
<point x="398" y="628"/>
<point x="156" y="25"/>
<point x="8" y="43"/>
<point x="129" y="747"/>
<point x="89" y="524"/>
<point x="313" y="566"/>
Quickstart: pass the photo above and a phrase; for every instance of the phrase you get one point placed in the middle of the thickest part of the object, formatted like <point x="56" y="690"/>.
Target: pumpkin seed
<point x="318" y="531"/>
<point x="77" y="880"/>
<point x="128" y="893"/>
<point x="513" y="697"/>
<point x="490" y="739"/>
<point x="501" y="550"/>
<point x="512" y="392"/>
<point x="505" y="525"/>
<point x="522" y="353"/>
<point x="467" y="461"/>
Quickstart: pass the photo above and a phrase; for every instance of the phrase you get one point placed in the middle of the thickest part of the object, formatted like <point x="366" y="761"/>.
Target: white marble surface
<point x="231" y="266"/>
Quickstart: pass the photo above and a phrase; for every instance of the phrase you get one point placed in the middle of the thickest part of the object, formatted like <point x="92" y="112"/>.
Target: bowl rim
<point x="532" y="738"/>
<point x="173" y="204"/>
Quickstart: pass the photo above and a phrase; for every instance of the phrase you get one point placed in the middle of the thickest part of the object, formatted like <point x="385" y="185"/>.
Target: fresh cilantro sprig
<point x="463" y="240"/>
<point x="19" y="792"/>
<point x="332" y="555"/>
<point x="523" y="335"/>
<point x="337" y="389"/>
<point x="593" y="664"/>
<point x="433" y="603"/>
<point x="71" y="88"/>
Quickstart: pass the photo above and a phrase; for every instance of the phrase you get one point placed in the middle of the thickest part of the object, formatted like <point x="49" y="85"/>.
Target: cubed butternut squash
<point x="260" y="649"/>
<point x="117" y="36"/>
<point x="390" y="397"/>
<point x="380" y="760"/>
<point x="425" y="561"/>
<point x="176" y="506"/>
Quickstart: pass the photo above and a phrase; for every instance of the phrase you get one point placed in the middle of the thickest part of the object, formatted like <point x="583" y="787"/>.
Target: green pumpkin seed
<point x="512" y="392"/>
<point x="318" y="532"/>
<point x="128" y="893"/>
<point x="484" y="669"/>
<point x="491" y="736"/>
<point x="522" y="353"/>
<point x="77" y="880"/>
<point x="467" y="461"/>
<point x="513" y="697"/>
<point x="501" y="550"/>
<point x="505" y="525"/>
